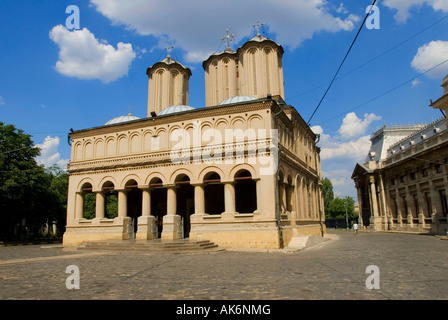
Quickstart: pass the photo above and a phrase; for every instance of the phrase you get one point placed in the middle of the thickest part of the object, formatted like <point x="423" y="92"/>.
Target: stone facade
<point x="403" y="183"/>
<point x="240" y="174"/>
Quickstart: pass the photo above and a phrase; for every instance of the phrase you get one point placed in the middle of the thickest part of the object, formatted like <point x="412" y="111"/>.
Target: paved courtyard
<point x="409" y="267"/>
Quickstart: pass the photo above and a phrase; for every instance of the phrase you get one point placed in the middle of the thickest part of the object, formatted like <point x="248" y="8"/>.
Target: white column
<point x="229" y="197"/>
<point x="171" y="200"/>
<point x="146" y="202"/>
<point x="171" y="221"/>
<point x="374" y="204"/>
<point x="79" y="206"/>
<point x="100" y="205"/>
<point x="146" y="223"/>
<point x="199" y="199"/>
<point x="122" y="203"/>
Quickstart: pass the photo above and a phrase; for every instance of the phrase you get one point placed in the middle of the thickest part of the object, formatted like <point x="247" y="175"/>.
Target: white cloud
<point x="196" y="26"/>
<point x="82" y="56"/>
<point x="2" y="101"/>
<point x="49" y="154"/>
<point x="404" y="7"/>
<point x="353" y="127"/>
<point x="353" y="150"/>
<point x="416" y="82"/>
<point x="342" y="183"/>
<point x="340" y="153"/>
<point x="430" y="55"/>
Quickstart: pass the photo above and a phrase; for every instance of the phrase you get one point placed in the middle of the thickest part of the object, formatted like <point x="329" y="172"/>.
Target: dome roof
<point x="237" y="99"/>
<point x="175" y="109"/>
<point x="121" y="119"/>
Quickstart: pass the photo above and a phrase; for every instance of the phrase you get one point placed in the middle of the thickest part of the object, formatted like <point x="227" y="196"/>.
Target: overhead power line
<point x="386" y="92"/>
<point x="372" y="59"/>
<point x="343" y="60"/>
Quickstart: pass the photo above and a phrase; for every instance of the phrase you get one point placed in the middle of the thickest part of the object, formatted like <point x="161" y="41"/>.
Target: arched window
<point x="158" y="201"/>
<point x="134" y="201"/>
<point x="245" y="192"/>
<point x="184" y="201"/>
<point x="214" y="193"/>
<point x="89" y="203"/>
<point x="253" y="64"/>
<point x="111" y="198"/>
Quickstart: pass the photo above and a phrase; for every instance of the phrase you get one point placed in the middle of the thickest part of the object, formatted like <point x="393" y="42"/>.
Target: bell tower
<point x="168" y="84"/>
<point x="260" y="64"/>
<point x="255" y="70"/>
<point x="221" y="74"/>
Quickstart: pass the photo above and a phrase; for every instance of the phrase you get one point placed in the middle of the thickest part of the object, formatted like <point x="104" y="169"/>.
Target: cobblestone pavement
<point x="410" y="267"/>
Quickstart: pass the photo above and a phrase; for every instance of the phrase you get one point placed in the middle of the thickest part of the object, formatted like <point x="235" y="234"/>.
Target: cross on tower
<point x="258" y="25"/>
<point x="168" y="50"/>
<point x="228" y="38"/>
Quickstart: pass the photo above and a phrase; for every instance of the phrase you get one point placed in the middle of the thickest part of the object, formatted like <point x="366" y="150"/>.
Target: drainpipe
<point x="277" y="200"/>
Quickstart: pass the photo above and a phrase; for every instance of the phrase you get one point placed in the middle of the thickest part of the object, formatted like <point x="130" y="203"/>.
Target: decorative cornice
<point x="189" y="115"/>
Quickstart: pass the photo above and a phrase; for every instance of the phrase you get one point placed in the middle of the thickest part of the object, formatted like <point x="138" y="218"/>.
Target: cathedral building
<point x="244" y="171"/>
<point x="402" y="185"/>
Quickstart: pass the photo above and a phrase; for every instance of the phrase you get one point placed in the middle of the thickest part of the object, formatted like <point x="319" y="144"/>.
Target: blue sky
<point x="52" y="80"/>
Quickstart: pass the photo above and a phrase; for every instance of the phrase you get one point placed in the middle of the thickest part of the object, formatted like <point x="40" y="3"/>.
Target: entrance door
<point x="185" y="203"/>
<point x="134" y="206"/>
<point x="158" y="207"/>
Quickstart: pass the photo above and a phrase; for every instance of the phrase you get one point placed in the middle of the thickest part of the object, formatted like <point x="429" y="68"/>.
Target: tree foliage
<point x="327" y="192"/>
<point x="340" y="206"/>
<point x="336" y="207"/>
<point x="30" y="195"/>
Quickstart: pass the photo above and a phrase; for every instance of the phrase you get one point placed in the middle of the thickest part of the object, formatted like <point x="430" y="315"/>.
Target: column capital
<point x="144" y="187"/>
<point x="372" y="178"/>
<point x="198" y="184"/>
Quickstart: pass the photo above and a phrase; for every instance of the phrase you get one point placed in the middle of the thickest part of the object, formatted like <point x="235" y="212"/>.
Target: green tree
<point x="339" y="206"/>
<point x="30" y="196"/>
<point x="328" y="195"/>
<point x="90" y="205"/>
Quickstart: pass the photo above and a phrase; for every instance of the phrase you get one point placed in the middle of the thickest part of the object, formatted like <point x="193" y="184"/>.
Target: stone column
<point x="171" y="205"/>
<point x="123" y="219"/>
<point x="146" y="202"/>
<point x="229" y="199"/>
<point x="199" y="198"/>
<point x="399" y="208"/>
<point x="171" y="221"/>
<point x="375" y="219"/>
<point x="282" y="196"/>
<point x="100" y="205"/>
<point x="259" y="197"/>
<point x="421" y="205"/>
<point x="374" y="204"/>
<point x="410" y="205"/>
<point x="146" y="223"/>
<point x="359" y="195"/>
<point x="79" y="205"/>
<point x="199" y="210"/>
<point x="434" y="202"/>
<point x="383" y="211"/>
<point x="122" y="203"/>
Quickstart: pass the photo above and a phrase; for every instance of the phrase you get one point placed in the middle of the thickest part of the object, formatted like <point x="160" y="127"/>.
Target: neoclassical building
<point x="242" y="172"/>
<point x="403" y="183"/>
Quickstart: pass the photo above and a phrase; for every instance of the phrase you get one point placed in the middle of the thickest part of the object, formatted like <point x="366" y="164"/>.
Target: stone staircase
<point x="302" y="242"/>
<point x="153" y="246"/>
